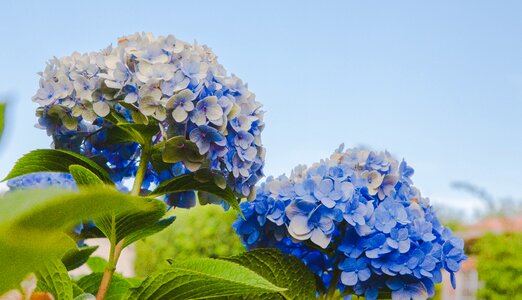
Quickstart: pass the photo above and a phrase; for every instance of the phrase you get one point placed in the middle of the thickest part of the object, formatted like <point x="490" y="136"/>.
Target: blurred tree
<point x="203" y="231"/>
<point x="499" y="264"/>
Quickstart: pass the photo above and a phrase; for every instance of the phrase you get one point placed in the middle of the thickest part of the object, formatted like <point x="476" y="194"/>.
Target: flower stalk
<point x="116" y="249"/>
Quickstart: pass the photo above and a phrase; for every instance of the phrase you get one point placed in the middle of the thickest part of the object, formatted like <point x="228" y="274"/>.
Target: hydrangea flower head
<point x="178" y="88"/>
<point x="356" y="218"/>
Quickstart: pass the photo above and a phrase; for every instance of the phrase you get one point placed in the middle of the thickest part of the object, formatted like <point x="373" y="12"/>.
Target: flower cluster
<point x="160" y="81"/>
<point x="42" y="180"/>
<point x="357" y="219"/>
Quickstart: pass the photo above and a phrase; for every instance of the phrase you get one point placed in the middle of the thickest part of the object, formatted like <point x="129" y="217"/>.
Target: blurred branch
<point x="495" y="206"/>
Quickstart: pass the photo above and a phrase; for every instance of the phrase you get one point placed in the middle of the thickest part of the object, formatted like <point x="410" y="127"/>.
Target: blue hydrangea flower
<point x="359" y="206"/>
<point x="179" y="88"/>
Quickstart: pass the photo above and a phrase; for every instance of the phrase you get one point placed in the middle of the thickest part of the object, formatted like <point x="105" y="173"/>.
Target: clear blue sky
<point x="438" y="83"/>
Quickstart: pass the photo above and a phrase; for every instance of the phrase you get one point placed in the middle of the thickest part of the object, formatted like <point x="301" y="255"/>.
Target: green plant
<point x="499" y="264"/>
<point x="204" y="231"/>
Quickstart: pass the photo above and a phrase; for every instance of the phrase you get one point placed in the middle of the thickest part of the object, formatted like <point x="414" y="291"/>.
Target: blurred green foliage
<point x="499" y="260"/>
<point x="203" y="231"/>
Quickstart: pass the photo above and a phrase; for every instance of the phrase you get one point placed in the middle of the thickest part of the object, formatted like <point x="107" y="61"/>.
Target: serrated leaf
<point x="129" y="224"/>
<point x="53" y="278"/>
<point x="32" y="223"/>
<point x="83" y="177"/>
<point x="53" y="160"/>
<point x="118" y="288"/>
<point x="77" y="257"/>
<point x="96" y="264"/>
<point x="282" y="270"/>
<point x="188" y="182"/>
<point x="149" y="230"/>
<point x="200" y="279"/>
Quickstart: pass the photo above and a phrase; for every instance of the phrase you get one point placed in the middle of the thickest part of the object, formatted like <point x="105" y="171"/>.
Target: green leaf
<point x="53" y="278"/>
<point x="148" y="231"/>
<point x="2" y="122"/>
<point x="193" y="182"/>
<point x="201" y="279"/>
<point x="77" y="257"/>
<point x="52" y="160"/>
<point x="96" y="264"/>
<point x="119" y="286"/>
<point x="129" y="224"/>
<point x="131" y="133"/>
<point x="77" y="291"/>
<point x="282" y="270"/>
<point x="179" y="149"/>
<point x="83" y="177"/>
<point x="139" y="118"/>
<point x="32" y="223"/>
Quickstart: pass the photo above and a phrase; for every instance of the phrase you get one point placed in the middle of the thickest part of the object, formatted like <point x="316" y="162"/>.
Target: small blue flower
<point x="354" y="270"/>
<point x="399" y="239"/>
<point x="388" y="214"/>
<point x="205" y="136"/>
<point x="407" y="288"/>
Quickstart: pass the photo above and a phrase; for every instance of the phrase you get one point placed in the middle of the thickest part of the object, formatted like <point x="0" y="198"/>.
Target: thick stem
<point x="336" y="275"/>
<point x="142" y="169"/>
<point x="109" y="270"/>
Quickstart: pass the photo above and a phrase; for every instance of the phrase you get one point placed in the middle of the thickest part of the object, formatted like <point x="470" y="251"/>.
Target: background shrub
<point x="203" y="231"/>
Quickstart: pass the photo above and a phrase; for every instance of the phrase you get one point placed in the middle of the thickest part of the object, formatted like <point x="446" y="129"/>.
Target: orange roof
<point x="494" y="225"/>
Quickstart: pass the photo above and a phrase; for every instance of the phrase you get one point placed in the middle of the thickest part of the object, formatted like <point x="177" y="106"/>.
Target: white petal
<point x="299" y="229"/>
<point x="131" y="98"/>
<point x="101" y="108"/>
<point x="179" y="114"/>
<point x="320" y="239"/>
<point x="214" y="112"/>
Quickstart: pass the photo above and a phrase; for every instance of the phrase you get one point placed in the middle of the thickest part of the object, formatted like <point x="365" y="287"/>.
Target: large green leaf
<point x="52" y="160"/>
<point x="201" y="279"/>
<point x="53" y="278"/>
<point x="198" y="182"/>
<point x="281" y="270"/>
<point x="118" y="288"/>
<point x="132" y="224"/>
<point x="32" y="223"/>
<point x="149" y="230"/>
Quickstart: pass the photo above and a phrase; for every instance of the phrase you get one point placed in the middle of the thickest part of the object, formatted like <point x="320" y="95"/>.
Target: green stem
<point x="109" y="270"/>
<point x="117" y="248"/>
<point x="336" y="275"/>
<point x="142" y="169"/>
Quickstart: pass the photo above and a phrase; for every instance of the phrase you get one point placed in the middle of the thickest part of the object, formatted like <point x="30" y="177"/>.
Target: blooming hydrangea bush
<point x="358" y="223"/>
<point x="177" y="88"/>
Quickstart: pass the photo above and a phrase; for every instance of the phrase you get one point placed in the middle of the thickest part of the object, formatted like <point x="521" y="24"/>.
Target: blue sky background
<point x="438" y="83"/>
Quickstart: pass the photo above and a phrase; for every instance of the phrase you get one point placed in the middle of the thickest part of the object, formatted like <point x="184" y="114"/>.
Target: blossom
<point x="354" y="270"/>
<point x="361" y="207"/>
<point x="407" y="288"/>
<point x="177" y="89"/>
<point x="182" y="105"/>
